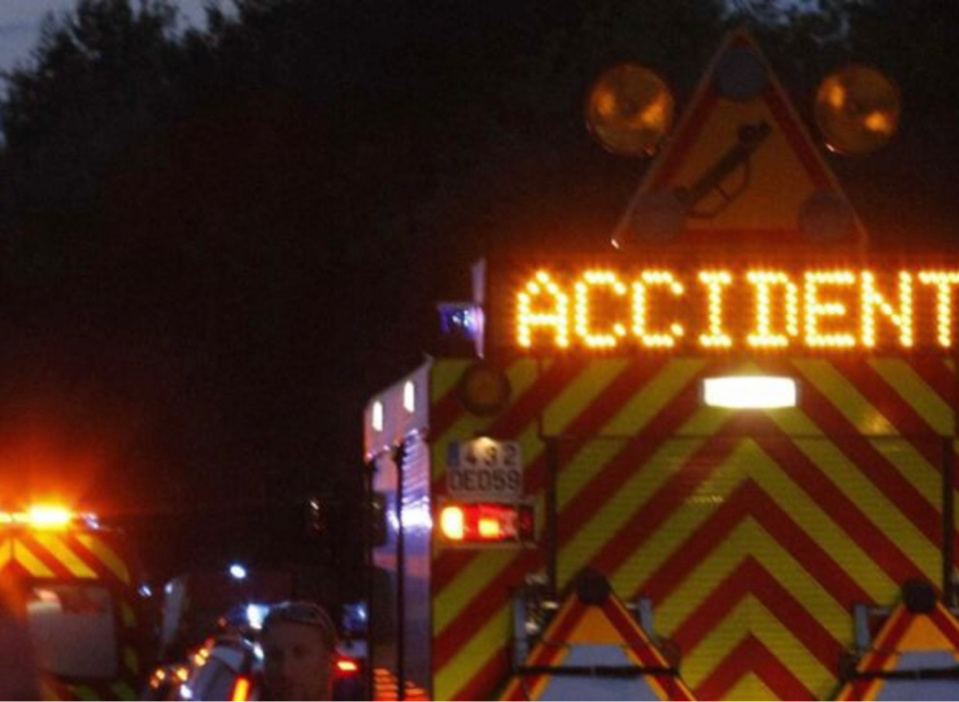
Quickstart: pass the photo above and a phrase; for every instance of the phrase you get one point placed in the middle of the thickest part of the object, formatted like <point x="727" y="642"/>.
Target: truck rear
<point x="74" y="583"/>
<point x="745" y="427"/>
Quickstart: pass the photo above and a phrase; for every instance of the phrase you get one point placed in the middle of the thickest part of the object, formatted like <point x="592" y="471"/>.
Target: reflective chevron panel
<point x="752" y="532"/>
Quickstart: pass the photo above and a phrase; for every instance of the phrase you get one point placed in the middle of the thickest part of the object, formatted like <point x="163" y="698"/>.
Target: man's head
<point x="299" y="641"/>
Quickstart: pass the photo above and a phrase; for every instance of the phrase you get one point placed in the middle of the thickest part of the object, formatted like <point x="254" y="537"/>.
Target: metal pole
<point x="399" y="458"/>
<point x="368" y="563"/>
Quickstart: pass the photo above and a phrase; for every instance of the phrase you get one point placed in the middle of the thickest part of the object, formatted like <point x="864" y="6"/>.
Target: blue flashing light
<point x="460" y="319"/>
<point x="237" y="571"/>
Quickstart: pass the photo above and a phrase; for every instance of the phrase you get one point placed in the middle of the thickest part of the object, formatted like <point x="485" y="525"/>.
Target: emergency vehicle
<point x="76" y="583"/>
<point x="705" y="465"/>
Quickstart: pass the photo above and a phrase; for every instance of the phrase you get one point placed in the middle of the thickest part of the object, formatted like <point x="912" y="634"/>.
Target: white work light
<point x="750" y="392"/>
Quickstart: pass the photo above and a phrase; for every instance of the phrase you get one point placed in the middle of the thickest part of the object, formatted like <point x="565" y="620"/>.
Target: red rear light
<point x="486" y="523"/>
<point x="241" y="690"/>
<point x="346" y="667"/>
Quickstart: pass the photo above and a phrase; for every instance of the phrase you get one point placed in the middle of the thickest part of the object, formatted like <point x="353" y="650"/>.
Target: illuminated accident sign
<point x="624" y="308"/>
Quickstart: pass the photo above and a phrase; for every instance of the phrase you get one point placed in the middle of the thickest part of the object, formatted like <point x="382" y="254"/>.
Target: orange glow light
<point x="610" y="309"/>
<point x="453" y="523"/>
<point x="817" y="308"/>
<point x="716" y="336"/>
<point x="588" y="282"/>
<point x="764" y="282"/>
<point x="345" y="665"/>
<point x="48" y="516"/>
<point x="641" y="307"/>
<point x="488" y="528"/>
<point x="241" y="690"/>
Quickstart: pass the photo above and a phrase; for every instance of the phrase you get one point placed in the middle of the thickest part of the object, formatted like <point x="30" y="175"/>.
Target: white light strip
<point x="409" y="396"/>
<point x="749" y="392"/>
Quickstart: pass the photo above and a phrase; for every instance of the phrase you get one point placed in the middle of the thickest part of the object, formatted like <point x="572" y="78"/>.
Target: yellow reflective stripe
<point x="749" y="539"/>
<point x="927" y="403"/>
<point x="579" y="393"/>
<point x="914" y="467"/>
<point x="955" y="492"/>
<point x="650" y="400"/>
<point x="470" y="580"/>
<point x="751" y="618"/>
<point x="6" y="552"/>
<point x="473" y="655"/>
<point x="445" y="375"/>
<point x="795" y="422"/>
<point x="901" y="454"/>
<point x="671" y="536"/>
<point x="699" y="662"/>
<point x="621" y="506"/>
<point x="55" y="545"/>
<point x="845" y="397"/>
<point x="821" y="527"/>
<point x="750" y="687"/>
<point x="635" y="414"/>
<point x="33" y="565"/>
<point x="106" y="555"/>
<point x="130" y="659"/>
<point x="853" y="482"/>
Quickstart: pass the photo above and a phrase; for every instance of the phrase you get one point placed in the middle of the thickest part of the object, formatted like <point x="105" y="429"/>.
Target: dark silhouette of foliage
<point x="239" y="234"/>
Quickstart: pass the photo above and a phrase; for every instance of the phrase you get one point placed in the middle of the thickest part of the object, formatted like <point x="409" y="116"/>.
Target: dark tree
<point x="219" y="244"/>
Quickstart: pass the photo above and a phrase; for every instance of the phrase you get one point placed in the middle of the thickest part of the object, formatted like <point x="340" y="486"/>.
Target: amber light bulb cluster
<point x="716" y="309"/>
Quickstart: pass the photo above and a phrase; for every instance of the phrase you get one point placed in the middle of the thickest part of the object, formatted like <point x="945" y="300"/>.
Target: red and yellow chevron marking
<point x="753" y="533"/>
<point x="81" y="556"/>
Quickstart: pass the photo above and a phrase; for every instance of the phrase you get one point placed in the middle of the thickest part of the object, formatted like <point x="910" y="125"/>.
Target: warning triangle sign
<point x="595" y="649"/>
<point x="741" y="169"/>
<point x="915" y="656"/>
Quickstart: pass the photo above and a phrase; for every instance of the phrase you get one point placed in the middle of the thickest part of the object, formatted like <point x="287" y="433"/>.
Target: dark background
<point x="217" y="245"/>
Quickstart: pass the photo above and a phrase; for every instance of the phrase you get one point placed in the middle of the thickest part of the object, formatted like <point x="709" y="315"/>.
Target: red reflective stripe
<point x="846" y="513"/>
<point x="750" y="578"/>
<point x="751" y="656"/>
<point x="857" y="448"/>
<point x="946" y="623"/>
<point x="659" y="507"/>
<point x="749" y="500"/>
<point x="482" y="606"/>
<point x="623" y="466"/>
<point x="26" y="540"/>
<point x="483" y="684"/>
<point x="909" y="423"/>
